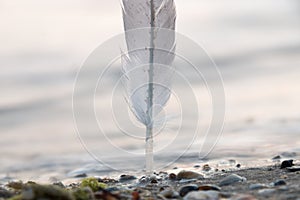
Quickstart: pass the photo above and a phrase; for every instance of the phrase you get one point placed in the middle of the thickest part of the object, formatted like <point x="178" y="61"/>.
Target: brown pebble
<point x="172" y="176"/>
<point x="154" y="181"/>
<point x="135" y="195"/>
<point x="206" y="167"/>
<point x="209" y="187"/>
<point x="188" y="175"/>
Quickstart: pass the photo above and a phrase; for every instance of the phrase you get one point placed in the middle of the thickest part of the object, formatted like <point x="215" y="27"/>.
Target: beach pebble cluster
<point x="199" y="183"/>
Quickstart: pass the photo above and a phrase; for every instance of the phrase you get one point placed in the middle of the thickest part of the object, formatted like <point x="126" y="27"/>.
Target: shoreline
<point x="202" y="182"/>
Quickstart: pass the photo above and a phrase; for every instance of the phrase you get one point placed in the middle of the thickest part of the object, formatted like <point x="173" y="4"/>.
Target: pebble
<point x="276" y="157"/>
<point x="202" y="195"/>
<point x="293" y="169"/>
<point x="172" y="176"/>
<point x="257" y="186"/>
<point x="286" y="163"/>
<point x="196" y="166"/>
<point x="135" y="195"/>
<point x="238" y="165"/>
<point x="243" y="197"/>
<point x="209" y="187"/>
<point x="124" y="178"/>
<point x="169" y="193"/>
<point x="183" y="190"/>
<point x="189" y="175"/>
<point x="279" y="182"/>
<point x="206" y="167"/>
<point x="154" y="181"/>
<point x="231" y="161"/>
<point x="83" y="175"/>
<point x="266" y="192"/>
<point x="233" y="178"/>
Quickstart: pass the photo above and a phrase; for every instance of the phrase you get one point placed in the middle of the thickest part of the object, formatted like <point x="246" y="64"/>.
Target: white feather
<point x="137" y="15"/>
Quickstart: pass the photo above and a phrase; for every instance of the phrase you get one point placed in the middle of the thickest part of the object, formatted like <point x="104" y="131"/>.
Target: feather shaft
<point x="149" y="128"/>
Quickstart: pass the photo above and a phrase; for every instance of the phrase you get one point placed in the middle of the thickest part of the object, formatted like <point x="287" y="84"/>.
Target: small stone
<point x="257" y="186"/>
<point x="243" y="197"/>
<point x="231" y="161"/>
<point x="202" y="195"/>
<point x="125" y="178"/>
<point x="189" y="175"/>
<point x="284" y="176"/>
<point x="238" y="165"/>
<point x="169" y="193"/>
<point x="172" y="176"/>
<point x="183" y="190"/>
<point x="154" y="181"/>
<point x="196" y="166"/>
<point x="143" y="180"/>
<point x="286" y="163"/>
<point x="209" y="187"/>
<point x="233" y="178"/>
<point x="276" y="157"/>
<point x="293" y="169"/>
<point x="83" y="175"/>
<point x="206" y="167"/>
<point x="266" y="192"/>
<point x="135" y="195"/>
<point x="175" y="167"/>
<point x="279" y="182"/>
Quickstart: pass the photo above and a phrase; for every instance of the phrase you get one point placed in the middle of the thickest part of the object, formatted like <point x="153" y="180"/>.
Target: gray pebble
<point x="202" y="195"/>
<point x="124" y="178"/>
<point x="266" y="192"/>
<point x="257" y="186"/>
<point x="233" y="178"/>
<point x="169" y="193"/>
